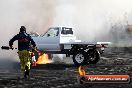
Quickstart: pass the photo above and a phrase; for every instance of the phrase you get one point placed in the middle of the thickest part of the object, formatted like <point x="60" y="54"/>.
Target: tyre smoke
<point x="92" y="20"/>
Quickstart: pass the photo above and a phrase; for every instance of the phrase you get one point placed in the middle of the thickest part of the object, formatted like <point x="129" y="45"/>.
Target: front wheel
<point x="79" y="58"/>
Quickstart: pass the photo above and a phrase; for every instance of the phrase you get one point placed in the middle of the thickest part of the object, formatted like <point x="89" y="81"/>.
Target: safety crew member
<point x="24" y="43"/>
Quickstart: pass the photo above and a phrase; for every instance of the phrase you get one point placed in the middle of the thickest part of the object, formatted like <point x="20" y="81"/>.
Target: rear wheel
<point x="79" y="58"/>
<point x="93" y="56"/>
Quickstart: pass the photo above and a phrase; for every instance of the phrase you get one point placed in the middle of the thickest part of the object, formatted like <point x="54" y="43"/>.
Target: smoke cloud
<point x="92" y="20"/>
<point x="33" y="14"/>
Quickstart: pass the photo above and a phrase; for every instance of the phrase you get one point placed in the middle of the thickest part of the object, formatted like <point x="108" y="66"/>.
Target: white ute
<point x="61" y="40"/>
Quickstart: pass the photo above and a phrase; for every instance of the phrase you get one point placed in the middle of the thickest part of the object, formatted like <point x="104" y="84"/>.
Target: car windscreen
<point x="51" y="32"/>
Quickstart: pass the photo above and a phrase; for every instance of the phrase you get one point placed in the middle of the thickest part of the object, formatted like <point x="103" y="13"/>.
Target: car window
<point x="52" y="32"/>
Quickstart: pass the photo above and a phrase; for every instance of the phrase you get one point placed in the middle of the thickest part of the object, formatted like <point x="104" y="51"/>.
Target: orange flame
<point x="81" y="71"/>
<point x="43" y="59"/>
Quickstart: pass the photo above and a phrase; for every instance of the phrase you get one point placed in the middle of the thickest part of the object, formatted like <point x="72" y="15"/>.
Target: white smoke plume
<point x="33" y="14"/>
<point x="92" y="19"/>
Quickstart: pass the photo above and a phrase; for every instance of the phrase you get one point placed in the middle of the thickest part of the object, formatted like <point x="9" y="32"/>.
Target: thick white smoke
<point x="33" y="14"/>
<point x="90" y="19"/>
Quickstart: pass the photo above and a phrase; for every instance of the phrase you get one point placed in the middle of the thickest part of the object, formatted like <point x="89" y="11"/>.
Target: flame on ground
<point x="43" y="59"/>
<point x="81" y="71"/>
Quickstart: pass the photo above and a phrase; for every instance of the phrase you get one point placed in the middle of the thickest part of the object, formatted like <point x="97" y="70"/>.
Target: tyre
<point x="93" y="56"/>
<point x="79" y="58"/>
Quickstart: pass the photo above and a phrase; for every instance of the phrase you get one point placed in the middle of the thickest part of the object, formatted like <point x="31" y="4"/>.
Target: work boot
<point x="26" y="73"/>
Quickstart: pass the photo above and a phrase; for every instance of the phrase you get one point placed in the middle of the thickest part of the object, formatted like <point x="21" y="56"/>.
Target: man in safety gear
<point x="24" y="43"/>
